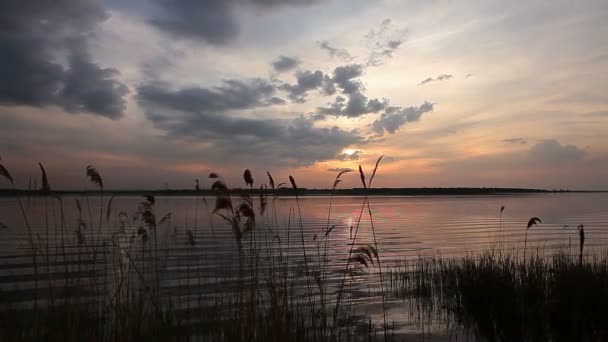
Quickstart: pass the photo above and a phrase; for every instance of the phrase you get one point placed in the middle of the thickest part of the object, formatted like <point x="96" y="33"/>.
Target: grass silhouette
<point x="115" y="280"/>
<point x="139" y="276"/>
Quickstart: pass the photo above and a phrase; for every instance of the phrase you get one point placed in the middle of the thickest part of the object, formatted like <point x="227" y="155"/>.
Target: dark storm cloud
<point x="395" y="117"/>
<point x="89" y="88"/>
<point x="32" y="34"/>
<point x="211" y="21"/>
<point x="284" y="63"/>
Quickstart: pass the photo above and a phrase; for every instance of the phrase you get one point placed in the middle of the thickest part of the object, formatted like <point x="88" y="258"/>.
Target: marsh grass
<point x="139" y="276"/>
<point x="116" y="283"/>
<point x="504" y="298"/>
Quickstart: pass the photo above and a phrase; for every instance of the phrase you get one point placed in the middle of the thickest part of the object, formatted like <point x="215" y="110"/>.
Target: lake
<point x="198" y="246"/>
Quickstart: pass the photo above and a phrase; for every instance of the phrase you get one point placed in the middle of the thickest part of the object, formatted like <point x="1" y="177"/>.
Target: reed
<point x="503" y="298"/>
<point x="123" y="280"/>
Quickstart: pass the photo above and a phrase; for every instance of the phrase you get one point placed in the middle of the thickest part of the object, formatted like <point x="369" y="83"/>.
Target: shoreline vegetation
<point x="113" y="275"/>
<point x="288" y="192"/>
<point x="498" y="296"/>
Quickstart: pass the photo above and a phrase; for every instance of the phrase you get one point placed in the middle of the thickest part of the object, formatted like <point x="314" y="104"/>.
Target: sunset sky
<point x="160" y="92"/>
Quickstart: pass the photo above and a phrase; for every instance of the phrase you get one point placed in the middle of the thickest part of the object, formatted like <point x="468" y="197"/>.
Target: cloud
<point x="547" y="164"/>
<point x="340" y="169"/>
<point x="211" y="21"/>
<point x="284" y="63"/>
<point x="390" y="159"/>
<point x="89" y="88"/>
<point x="520" y="141"/>
<point x="598" y="115"/>
<point x="352" y="156"/>
<point x="210" y="116"/>
<point x="357" y="105"/>
<point x="306" y="80"/>
<point x="440" y="77"/>
<point x="444" y="77"/>
<point x="333" y="51"/>
<point x="31" y="38"/>
<point x="552" y="151"/>
<point x="383" y="42"/>
<point x="231" y="95"/>
<point x="426" y="80"/>
<point x="395" y="117"/>
<point x="344" y="77"/>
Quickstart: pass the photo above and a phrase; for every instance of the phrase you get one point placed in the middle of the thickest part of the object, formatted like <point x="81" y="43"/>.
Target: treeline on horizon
<point x="283" y="191"/>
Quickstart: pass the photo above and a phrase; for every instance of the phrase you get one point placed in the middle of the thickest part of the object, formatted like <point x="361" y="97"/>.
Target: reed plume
<point x="46" y="187"/>
<point x="371" y="179"/>
<point x="94" y="176"/>
<point x="581" y="241"/>
<point x="248" y="178"/>
<point x="362" y="176"/>
<point x="146" y="211"/>
<point x="270" y="180"/>
<point x="4" y="172"/>
<point x="219" y="185"/>
<point x="109" y="209"/>
<point x="532" y="222"/>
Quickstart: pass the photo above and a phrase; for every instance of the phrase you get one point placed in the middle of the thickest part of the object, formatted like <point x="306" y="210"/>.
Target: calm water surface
<point x="406" y="227"/>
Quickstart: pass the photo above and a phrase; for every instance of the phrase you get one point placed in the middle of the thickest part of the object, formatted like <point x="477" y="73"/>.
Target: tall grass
<point x="139" y="276"/>
<point x="503" y="298"/>
<point x="116" y="279"/>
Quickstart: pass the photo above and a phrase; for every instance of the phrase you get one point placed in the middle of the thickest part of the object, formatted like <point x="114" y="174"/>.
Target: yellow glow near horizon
<point x="349" y="151"/>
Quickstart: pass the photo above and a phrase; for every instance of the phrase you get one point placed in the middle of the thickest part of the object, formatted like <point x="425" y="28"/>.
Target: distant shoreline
<point x="305" y="192"/>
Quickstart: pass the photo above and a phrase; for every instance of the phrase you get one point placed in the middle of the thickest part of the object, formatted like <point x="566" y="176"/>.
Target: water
<point x="405" y="227"/>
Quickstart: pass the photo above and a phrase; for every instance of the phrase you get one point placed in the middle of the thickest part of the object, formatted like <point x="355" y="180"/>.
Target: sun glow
<point x="349" y="151"/>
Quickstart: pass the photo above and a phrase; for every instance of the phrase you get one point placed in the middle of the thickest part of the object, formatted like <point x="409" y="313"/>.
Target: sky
<point x="157" y="93"/>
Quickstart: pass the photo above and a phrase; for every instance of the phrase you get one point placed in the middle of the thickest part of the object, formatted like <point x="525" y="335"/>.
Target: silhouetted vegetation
<point x="504" y="298"/>
<point x="110" y="279"/>
<point x="285" y="191"/>
<point x="112" y="275"/>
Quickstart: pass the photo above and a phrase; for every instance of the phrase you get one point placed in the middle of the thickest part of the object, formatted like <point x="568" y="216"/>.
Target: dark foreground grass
<point x="111" y="276"/>
<point x="502" y="298"/>
<point x="119" y="276"/>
